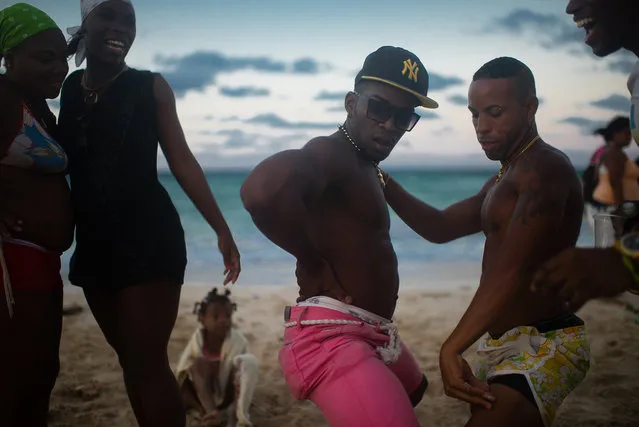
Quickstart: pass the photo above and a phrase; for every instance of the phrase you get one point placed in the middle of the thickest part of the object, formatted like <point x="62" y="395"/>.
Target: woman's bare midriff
<point x="42" y="202"/>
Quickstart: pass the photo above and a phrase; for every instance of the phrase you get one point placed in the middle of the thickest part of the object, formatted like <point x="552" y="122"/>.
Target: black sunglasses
<point x="381" y="110"/>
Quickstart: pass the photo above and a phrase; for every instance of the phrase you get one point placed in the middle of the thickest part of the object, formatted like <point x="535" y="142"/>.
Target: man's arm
<point x="537" y="217"/>
<point x="277" y="192"/>
<point x="437" y="226"/>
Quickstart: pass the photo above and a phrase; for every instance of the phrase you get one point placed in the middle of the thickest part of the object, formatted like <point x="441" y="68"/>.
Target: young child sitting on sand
<point x="215" y="371"/>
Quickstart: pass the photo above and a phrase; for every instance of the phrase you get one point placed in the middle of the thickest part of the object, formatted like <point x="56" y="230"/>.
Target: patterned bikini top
<point x="34" y="148"/>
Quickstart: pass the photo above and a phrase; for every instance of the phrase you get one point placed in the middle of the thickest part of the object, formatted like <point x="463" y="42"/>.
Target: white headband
<point x="86" y="7"/>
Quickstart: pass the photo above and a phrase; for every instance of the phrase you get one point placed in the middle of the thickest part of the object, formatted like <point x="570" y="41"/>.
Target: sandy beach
<point x="90" y="392"/>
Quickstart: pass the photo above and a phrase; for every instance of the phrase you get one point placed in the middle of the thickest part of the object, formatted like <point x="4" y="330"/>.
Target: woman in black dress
<point x="130" y="254"/>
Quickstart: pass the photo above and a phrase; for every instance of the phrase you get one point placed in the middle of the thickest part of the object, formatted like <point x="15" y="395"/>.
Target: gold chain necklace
<point x="504" y="165"/>
<point x="380" y="175"/>
<point x="92" y="95"/>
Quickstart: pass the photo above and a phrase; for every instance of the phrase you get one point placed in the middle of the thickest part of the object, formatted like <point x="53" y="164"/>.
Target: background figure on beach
<point x="216" y="372"/>
<point x="130" y="252"/>
<point x="36" y="221"/>
<point x="589" y="181"/>
<point x="617" y="175"/>
<point x="530" y="211"/>
<point x="324" y="204"/>
<point x="580" y="274"/>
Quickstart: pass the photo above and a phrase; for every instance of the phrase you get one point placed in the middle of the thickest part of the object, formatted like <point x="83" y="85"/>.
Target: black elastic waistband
<point x="570" y="320"/>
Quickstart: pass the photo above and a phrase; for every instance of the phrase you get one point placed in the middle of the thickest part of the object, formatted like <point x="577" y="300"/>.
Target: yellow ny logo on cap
<point x="412" y="68"/>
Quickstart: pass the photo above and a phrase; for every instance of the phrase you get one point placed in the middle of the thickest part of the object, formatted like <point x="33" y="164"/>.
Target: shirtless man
<point x="579" y="274"/>
<point x="324" y="204"/>
<point x="536" y="351"/>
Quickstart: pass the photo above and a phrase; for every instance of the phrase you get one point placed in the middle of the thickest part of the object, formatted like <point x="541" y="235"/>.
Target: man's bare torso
<point x="498" y="210"/>
<point x="350" y="226"/>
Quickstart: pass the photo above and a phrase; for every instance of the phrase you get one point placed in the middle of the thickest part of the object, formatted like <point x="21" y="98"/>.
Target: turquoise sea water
<point x="266" y="264"/>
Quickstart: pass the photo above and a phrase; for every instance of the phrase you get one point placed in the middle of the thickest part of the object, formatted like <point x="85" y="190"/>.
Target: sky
<point x="253" y="77"/>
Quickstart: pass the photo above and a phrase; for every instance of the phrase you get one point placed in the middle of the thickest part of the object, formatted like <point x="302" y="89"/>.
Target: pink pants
<point x="337" y="368"/>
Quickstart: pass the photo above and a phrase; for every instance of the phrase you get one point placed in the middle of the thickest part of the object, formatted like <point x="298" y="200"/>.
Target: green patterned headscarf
<point x="19" y="22"/>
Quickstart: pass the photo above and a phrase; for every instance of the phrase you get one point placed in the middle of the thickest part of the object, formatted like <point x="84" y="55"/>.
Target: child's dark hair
<point x="211" y="298"/>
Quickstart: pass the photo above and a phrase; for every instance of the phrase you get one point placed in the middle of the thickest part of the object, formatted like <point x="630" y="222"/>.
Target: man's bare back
<point x="540" y="175"/>
<point x="347" y="223"/>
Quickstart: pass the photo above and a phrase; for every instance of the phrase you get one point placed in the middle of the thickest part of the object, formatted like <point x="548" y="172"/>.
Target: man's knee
<point x="417" y="395"/>
<point x="511" y="407"/>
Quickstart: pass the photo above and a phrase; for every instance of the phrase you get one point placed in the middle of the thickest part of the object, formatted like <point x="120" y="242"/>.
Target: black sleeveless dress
<point x="128" y="231"/>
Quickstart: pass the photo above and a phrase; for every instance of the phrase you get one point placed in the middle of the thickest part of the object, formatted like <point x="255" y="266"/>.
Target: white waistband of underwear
<point x="389" y="353"/>
<point x="351" y="310"/>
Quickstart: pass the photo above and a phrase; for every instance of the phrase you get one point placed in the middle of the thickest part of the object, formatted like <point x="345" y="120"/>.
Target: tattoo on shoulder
<point x="539" y="198"/>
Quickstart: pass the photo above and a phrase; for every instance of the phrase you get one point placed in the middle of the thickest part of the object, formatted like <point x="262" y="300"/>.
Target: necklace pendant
<point x="91" y="98"/>
<point x="380" y="176"/>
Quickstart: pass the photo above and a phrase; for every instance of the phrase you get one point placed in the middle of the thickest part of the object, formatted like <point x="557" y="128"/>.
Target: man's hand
<point x="231" y="257"/>
<point x="459" y="381"/>
<point x="577" y="275"/>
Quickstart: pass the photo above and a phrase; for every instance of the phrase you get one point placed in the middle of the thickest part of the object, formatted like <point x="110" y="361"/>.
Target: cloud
<point x="551" y="30"/>
<point x="587" y="126"/>
<point x="306" y="66"/>
<point x="615" y="102"/>
<point x="197" y="70"/>
<point x="440" y="82"/>
<point x="556" y="32"/>
<point x="624" y="65"/>
<point x="427" y="115"/>
<point x="443" y="131"/>
<point x="336" y="108"/>
<point x="458" y="100"/>
<point x="330" y="96"/>
<point x="237" y="139"/>
<point x="275" y="121"/>
<point x="244" y="91"/>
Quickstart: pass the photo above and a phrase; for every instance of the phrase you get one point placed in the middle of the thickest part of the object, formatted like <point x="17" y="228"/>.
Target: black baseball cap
<point x="399" y="68"/>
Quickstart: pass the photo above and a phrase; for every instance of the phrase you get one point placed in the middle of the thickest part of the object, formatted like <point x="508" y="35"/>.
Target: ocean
<point x="263" y="263"/>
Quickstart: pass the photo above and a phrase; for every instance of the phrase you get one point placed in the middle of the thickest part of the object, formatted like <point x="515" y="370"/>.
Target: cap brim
<point x="424" y="101"/>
